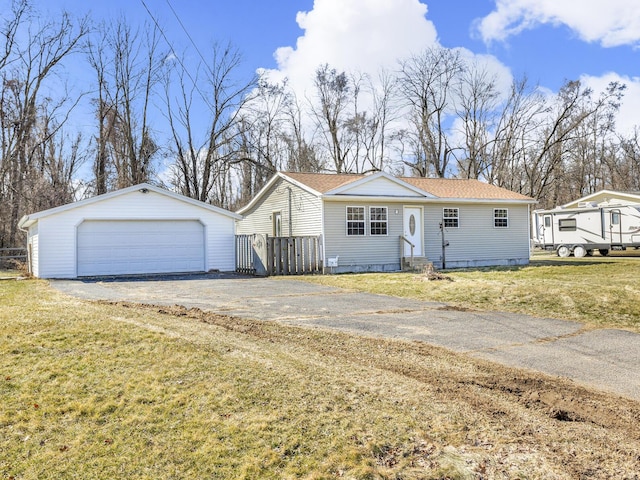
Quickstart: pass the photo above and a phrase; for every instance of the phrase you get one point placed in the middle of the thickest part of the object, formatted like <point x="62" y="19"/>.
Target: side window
<point x="547" y="221"/>
<point x="500" y="218"/>
<point x="277" y="224"/>
<point x="450" y="217"/>
<point x="615" y="217"/>
<point x="355" y="221"/>
<point x="567" y="224"/>
<point x="378" y="220"/>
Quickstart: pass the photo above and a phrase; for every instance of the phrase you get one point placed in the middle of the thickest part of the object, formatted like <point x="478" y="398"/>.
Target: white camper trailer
<point x="579" y="230"/>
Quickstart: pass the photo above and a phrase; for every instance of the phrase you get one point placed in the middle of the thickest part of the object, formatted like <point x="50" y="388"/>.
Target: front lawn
<point x="102" y="391"/>
<point x="601" y="291"/>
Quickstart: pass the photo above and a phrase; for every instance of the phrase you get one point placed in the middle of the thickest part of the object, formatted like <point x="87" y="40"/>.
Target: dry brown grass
<point x="600" y="291"/>
<point x="93" y="390"/>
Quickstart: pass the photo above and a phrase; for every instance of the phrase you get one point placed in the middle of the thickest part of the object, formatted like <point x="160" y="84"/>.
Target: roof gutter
<point x="369" y="198"/>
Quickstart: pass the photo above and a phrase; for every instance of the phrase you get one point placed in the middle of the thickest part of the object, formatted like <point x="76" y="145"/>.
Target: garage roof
<point x="29" y="220"/>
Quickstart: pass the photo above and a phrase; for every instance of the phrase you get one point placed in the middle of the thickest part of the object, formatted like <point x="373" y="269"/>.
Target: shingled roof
<point x="438" y="187"/>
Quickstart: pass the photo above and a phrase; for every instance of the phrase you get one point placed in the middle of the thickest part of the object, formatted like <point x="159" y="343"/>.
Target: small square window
<point x="500" y="218"/>
<point x="355" y="221"/>
<point x="450" y="217"/>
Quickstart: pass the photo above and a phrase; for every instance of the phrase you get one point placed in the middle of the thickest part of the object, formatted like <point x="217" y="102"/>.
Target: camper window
<point x="615" y="217"/>
<point x="567" y="224"/>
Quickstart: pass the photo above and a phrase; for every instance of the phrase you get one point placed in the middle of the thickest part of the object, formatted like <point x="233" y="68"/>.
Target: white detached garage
<point x="136" y="230"/>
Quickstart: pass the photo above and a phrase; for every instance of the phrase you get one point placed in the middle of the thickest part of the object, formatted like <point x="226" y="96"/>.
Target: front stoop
<point x="416" y="264"/>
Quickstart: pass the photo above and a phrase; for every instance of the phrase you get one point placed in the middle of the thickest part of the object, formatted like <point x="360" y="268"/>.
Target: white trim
<point x="425" y="200"/>
<point x="457" y="217"/>
<point x="601" y="192"/>
<point x="386" y="221"/>
<point x="495" y="218"/>
<point x="369" y="178"/>
<point x="364" y="220"/>
<point x="269" y="184"/>
<point x="29" y="220"/>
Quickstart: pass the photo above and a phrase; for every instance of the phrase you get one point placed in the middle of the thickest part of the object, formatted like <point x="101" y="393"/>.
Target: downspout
<point x="29" y="267"/>
<point x="531" y="234"/>
<point x="290" y="220"/>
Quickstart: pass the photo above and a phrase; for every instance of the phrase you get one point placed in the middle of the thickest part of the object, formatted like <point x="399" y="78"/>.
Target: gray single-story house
<point x="375" y="222"/>
<point x="137" y="230"/>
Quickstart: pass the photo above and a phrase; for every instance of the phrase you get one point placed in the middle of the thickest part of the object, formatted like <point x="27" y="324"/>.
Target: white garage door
<point x="117" y="247"/>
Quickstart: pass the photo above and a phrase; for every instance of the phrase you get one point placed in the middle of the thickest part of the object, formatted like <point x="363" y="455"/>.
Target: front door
<point x="413" y="231"/>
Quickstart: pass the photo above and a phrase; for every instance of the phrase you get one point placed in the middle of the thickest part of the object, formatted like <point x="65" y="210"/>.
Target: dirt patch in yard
<point x="504" y="413"/>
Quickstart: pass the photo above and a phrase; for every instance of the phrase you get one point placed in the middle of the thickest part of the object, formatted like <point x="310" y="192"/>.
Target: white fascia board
<point x="374" y="176"/>
<point x="269" y="184"/>
<point x="611" y="193"/>
<point x="370" y="198"/>
<point x="29" y="220"/>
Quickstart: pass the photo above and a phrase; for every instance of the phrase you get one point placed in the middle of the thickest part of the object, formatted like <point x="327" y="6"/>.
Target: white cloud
<point x="355" y="36"/>
<point x="627" y="117"/>
<point x="611" y="23"/>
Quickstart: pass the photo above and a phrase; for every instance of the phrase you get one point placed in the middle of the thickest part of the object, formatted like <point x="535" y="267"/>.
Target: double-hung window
<point x="355" y="221"/>
<point x="500" y="218"/>
<point x="378" y="220"/>
<point x="451" y="217"/>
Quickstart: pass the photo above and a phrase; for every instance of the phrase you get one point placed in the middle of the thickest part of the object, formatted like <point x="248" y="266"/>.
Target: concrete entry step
<point x="416" y="264"/>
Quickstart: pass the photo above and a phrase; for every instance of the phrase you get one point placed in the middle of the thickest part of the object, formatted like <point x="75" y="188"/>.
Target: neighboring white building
<point x="372" y="222"/>
<point x="137" y="230"/>
<point x="604" y="221"/>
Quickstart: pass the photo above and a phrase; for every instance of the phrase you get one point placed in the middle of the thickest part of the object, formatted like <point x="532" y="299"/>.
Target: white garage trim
<point x="121" y="247"/>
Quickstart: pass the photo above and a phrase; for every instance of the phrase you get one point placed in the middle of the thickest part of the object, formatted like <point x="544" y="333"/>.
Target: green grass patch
<point x="600" y="291"/>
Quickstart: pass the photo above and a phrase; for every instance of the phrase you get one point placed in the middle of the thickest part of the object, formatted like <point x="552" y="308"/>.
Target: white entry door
<point x="412" y="227"/>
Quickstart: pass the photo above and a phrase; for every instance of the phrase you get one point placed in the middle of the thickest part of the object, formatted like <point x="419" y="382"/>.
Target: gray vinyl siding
<point x="367" y="252"/>
<point x="306" y="212"/>
<point x="476" y="242"/>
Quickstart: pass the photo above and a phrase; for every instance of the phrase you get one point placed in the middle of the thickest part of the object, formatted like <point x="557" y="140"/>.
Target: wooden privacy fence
<point x="264" y="255"/>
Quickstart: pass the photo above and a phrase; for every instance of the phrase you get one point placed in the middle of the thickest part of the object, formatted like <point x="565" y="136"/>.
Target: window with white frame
<point x="451" y="217"/>
<point x="500" y="217"/>
<point x="355" y="221"/>
<point x="378" y="220"/>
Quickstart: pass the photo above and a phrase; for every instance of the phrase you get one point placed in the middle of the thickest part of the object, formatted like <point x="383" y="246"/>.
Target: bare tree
<point x="623" y="168"/>
<point x="427" y="83"/>
<point x="203" y="161"/>
<point x="476" y="107"/>
<point x="127" y="64"/>
<point x="34" y="105"/>
<point x="330" y="113"/>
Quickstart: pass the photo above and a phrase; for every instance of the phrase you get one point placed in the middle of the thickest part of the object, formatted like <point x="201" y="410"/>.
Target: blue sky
<point x="548" y="40"/>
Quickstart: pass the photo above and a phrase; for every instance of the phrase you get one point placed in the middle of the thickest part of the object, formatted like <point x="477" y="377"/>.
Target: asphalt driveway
<point x="608" y="359"/>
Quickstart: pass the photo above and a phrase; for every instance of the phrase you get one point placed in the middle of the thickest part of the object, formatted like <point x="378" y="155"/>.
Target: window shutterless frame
<point x="378" y="220"/>
<point x="451" y="217"/>
<point x="500" y="218"/>
<point x="355" y="221"/>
